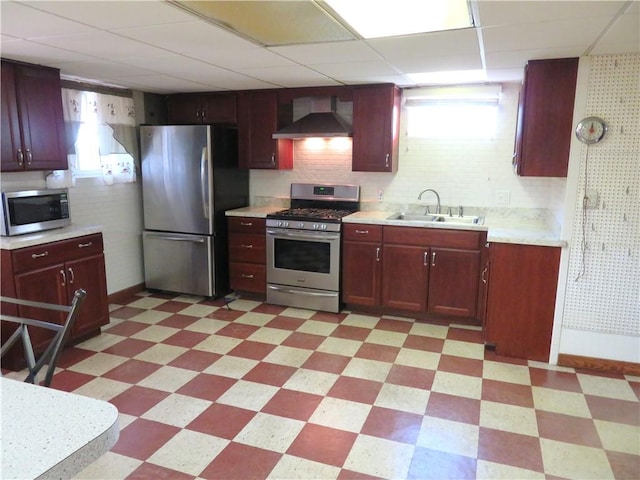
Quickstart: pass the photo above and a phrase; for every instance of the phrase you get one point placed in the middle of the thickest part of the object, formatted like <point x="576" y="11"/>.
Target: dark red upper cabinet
<point x="257" y="122"/>
<point x="195" y="108"/>
<point x="33" y="135"/>
<point x="545" y="115"/>
<point x="376" y="119"/>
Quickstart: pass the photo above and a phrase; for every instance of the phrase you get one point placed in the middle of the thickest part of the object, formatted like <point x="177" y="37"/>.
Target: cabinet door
<point x="545" y="115"/>
<point x="184" y="109"/>
<point x="40" y="109"/>
<point x="257" y="122"/>
<point x="10" y="124"/>
<point x="361" y="273"/>
<point x="219" y="108"/>
<point x="406" y="276"/>
<point x="43" y="285"/>
<point x="376" y="112"/>
<point x="521" y="299"/>
<point x="88" y="274"/>
<point x="453" y="282"/>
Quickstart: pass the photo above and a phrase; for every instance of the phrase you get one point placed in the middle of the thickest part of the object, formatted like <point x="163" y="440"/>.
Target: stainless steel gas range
<point x="303" y="246"/>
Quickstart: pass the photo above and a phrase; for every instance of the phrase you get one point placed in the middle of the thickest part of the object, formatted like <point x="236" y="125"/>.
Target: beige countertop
<point x="499" y="230"/>
<point x="31" y="239"/>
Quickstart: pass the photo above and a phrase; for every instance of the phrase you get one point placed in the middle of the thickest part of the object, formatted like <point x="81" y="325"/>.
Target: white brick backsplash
<point x="463" y="171"/>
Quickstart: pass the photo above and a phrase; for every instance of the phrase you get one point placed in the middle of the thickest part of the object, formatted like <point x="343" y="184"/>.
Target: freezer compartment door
<point x="179" y="263"/>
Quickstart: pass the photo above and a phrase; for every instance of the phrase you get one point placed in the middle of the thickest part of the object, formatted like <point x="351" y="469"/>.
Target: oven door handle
<point x="304" y="236"/>
<point x="298" y="292"/>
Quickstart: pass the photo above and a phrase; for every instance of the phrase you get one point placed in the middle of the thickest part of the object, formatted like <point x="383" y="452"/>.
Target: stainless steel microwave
<point x="31" y="211"/>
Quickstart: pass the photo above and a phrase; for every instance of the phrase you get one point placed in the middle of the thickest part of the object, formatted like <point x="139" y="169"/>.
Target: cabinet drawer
<point x="362" y="232"/>
<point x="39" y="256"/>
<point x="433" y="237"/>
<point x="247" y="248"/>
<point x="248" y="277"/>
<point x="247" y="225"/>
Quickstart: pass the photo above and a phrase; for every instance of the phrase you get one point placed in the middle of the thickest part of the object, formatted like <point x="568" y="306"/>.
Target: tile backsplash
<point x="468" y="172"/>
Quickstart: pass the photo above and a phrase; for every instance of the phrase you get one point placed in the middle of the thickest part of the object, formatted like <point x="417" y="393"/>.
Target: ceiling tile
<point x="500" y="12"/>
<point x="31" y="52"/>
<point x="101" y="44"/>
<point x="530" y="36"/>
<point x="21" y="21"/>
<point x="622" y="37"/>
<point x="350" y="69"/>
<point x="289" y="77"/>
<point x="330" y="52"/>
<point x="400" y="80"/>
<point x="186" y="37"/>
<point x="101" y="69"/>
<point x="162" y="84"/>
<point x="253" y="57"/>
<point x="440" y="63"/>
<point x="457" y="42"/>
<point x="105" y="15"/>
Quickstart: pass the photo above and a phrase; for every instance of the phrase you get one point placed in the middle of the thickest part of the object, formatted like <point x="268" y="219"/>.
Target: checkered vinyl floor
<point x="261" y="391"/>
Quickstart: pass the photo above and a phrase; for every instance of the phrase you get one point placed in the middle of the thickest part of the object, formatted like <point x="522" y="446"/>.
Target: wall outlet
<point x="503" y="198"/>
<point x="591" y="199"/>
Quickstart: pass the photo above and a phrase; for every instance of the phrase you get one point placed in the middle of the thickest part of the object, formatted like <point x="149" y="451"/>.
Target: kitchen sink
<point x="439" y="218"/>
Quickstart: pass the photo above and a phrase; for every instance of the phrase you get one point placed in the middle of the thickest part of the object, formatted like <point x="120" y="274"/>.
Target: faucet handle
<point x="460" y="211"/>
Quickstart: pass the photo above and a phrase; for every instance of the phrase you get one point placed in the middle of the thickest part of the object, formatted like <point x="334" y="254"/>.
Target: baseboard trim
<point x="125" y="294"/>
<point x="599" y="364"/>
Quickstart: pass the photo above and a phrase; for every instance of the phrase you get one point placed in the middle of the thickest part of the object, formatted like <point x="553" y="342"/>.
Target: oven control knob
<point x="285" y="224"/>
<point x="300" y="224"/>
<point x="316" y="226"/>
<point x="323" y="226"/>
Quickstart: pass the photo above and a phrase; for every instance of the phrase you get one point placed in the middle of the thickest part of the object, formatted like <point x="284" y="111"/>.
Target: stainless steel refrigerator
<point x="190" y="177"/>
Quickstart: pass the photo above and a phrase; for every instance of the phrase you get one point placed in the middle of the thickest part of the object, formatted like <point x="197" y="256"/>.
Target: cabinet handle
<point x="484" y="275"/>
<point x="433" y="259"/>
<point x="362" y="232"/>
<point x="64" y="277"/>
<point x="39" y="255"/>
<point x="377" y="254"/>
<point x="273" y="159"/>
<point x="85" y="245"/>
<point x="20" y="157"/>
<point x="246" y="224"/>
<point x="386" y="161"/>
<point x="72" y="275"/>
<point x="29" y="156"/>
<point x="246" y="246"/>
<point x="425" y="259"/>
<point x="244" y="275"/>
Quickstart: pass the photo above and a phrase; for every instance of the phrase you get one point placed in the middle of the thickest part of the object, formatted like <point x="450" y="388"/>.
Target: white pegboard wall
<point x="603" y="289"/>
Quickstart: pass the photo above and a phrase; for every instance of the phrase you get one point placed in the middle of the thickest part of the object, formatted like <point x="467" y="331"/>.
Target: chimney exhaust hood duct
<point x="323" y="121"/>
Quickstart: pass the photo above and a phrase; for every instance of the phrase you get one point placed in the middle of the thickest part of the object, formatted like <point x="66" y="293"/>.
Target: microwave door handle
<point x="204" y="181"/>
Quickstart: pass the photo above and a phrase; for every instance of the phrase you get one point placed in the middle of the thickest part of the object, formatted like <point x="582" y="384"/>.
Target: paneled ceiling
<point x="168" y="47"/>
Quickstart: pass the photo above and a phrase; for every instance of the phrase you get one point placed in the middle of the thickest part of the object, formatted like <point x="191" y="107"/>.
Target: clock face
<point x="591" y="130"/>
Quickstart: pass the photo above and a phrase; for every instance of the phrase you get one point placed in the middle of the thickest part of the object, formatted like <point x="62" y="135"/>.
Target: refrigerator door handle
<point x="176" y="239"/>
<point x="204" y="181"/>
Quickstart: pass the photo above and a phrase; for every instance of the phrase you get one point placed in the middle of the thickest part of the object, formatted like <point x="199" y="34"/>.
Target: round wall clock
<point x="591" y="130"/>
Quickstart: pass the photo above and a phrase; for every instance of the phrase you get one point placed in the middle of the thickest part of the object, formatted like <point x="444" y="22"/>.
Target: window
<point x="101" y="132"/>
<point x="452" y="112"/>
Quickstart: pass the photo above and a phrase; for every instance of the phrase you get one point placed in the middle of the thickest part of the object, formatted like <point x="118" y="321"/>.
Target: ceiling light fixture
<point x="381" y="18"/>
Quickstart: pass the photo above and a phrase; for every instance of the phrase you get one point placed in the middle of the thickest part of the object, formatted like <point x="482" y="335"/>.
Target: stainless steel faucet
<point x="437" y="197"/>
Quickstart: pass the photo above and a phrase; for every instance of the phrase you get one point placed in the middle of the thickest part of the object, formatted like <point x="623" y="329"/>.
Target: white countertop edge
<point x="84" y="457"/>
<point x="255" y="212"/>
<point x="31" y="239"/>
<point x="49" y="433"/>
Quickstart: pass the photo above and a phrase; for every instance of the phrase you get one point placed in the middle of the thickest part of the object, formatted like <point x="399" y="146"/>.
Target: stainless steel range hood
<point x="323" y="121"/>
